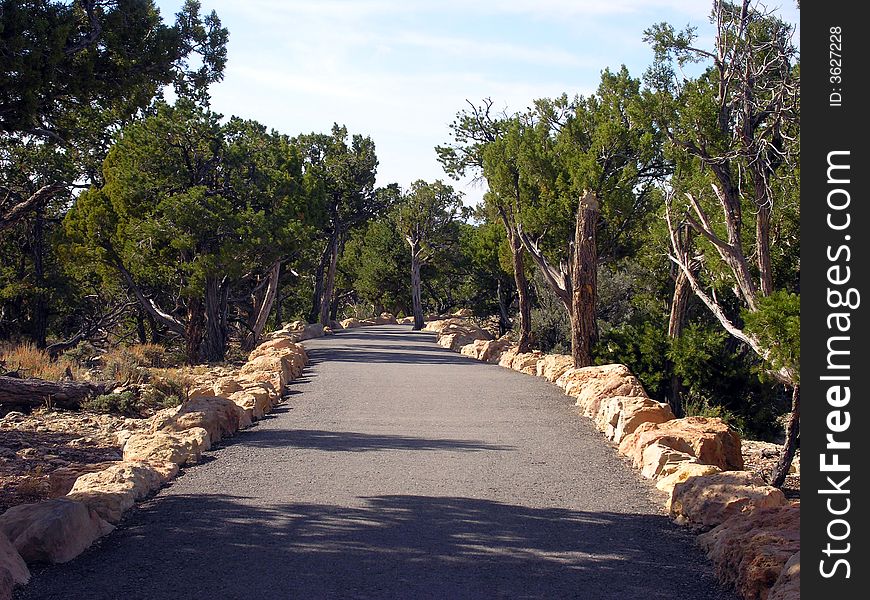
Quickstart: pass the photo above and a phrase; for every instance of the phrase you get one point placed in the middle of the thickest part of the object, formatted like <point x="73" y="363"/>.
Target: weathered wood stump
<point x="31" y="393"/>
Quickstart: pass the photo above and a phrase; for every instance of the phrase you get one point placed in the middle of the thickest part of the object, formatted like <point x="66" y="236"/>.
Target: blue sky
<point x="399" y="70"/>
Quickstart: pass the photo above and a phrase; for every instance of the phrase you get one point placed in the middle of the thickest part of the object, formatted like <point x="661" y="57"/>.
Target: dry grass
<point x="131" y="364"/>
<point x="29" y="361"/>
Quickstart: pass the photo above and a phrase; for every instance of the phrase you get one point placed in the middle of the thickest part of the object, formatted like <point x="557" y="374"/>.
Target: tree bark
<point x="264" y="308"/>
<point x="39" y="317"/>
<point x="10" y="216"/>
<point x="215" y="342"/>
<point x="329" y="280"/>
<point x="792" y="432"/>
<point x="504" y="318"/>
<point x="416" y="300"/>
<point x="676" y="323"/>
<point x="762" y="249"/>
<point x="317" y="295"/>
<point x="679" y="305"/>
<point x="525" y="304"/>
<point x="32" y="393"/>
<point x="584" y="332"/>
<point x="193" y="332"/>
<point x="140" y="327"/>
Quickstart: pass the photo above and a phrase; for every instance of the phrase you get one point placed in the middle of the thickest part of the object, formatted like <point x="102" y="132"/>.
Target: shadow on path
<point x="405" y="355"/>
<point x="389" y="547"/>
<point x="349" y="441"/>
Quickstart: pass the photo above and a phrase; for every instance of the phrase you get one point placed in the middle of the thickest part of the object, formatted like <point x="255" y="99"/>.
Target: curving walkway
<point x="398" y="469"/>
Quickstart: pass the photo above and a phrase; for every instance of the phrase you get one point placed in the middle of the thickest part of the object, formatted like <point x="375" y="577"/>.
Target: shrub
<point x="130" y="364"/>
<point x="163" y="392"/>
<point x="84" y="355"/>
<point x="696" y="405"/>
<point x="124" y="403"/>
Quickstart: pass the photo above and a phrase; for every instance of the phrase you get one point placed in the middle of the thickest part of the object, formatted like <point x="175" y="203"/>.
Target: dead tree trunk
<point x="522" y="283"/>
<point x="676" y="322"/>
<point x="264" y="308"/>
<point x="33" y="393"/>
<point x="584" y="269"/>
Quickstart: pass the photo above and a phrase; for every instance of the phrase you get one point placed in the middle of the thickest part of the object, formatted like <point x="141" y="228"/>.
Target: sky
<point x="399" y="70"/>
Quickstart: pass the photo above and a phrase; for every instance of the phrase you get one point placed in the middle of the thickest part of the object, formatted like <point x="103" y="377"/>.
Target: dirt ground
<point x="43" y="453"/>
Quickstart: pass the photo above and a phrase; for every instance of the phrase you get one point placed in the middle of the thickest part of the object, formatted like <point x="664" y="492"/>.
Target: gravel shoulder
<point x="398" y="469"/>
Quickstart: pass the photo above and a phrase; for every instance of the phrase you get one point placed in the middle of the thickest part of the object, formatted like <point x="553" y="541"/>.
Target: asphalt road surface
<point x="397" y="469"/>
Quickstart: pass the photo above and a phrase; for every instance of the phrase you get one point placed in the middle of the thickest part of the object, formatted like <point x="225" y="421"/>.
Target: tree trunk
<point x="762" y="249"/>
<point x="584" y="278"/>
<point x="264" y="308"/>
<point x="792" y="432"/>
<point x="193" y="331"/>
<point x="504" y="318"/>
<point x="140" y="327"/>
<point x="329" y="280"/>
<point x="679" y="308"/>
<point x="279" y="307"/>
<point x="32" y="393"/>
<point x="39" y="318"/>
<point x="317" y="296"/>
<point x="333" y="309"/>
<point x="152" y="325"/>
<point x="215" y="344"/>
<point x="416" y="300"/>
<point x="522" y="283"/>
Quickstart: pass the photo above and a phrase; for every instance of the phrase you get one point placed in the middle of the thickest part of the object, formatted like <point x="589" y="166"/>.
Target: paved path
<point x="398" y="469"/>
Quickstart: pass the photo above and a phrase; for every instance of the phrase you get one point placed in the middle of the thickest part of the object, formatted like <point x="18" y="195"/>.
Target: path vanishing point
<point x="399" y="469"/>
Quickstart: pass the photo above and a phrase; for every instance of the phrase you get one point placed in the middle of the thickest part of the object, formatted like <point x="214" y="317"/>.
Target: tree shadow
<point x="394" y="546"/>
<point x="388" y="354"/>
<point x="349" y="441"/>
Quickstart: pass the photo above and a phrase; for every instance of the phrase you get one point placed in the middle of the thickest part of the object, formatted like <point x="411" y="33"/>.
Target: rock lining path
<point x="398" y="469"/>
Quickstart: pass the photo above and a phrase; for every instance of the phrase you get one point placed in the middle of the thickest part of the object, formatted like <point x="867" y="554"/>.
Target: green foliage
<point x="162" y="393"/>
<point x="188" y="201"/>
<point x="777" y="324"/>
<point x="486" y="256"/>
<point x="551" y="326"/>
<point x="427" y="218"/>
<point x="695" y="405"/>
<point x="712" y="367"/>
<point x="643" y="346"/>
<point x="124" y="403"/>
<point x="68" y="66"/>
<point x="376" y="266"/>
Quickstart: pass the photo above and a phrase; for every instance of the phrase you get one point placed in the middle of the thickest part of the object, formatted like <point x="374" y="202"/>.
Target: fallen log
<point x="32" y="393"/>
